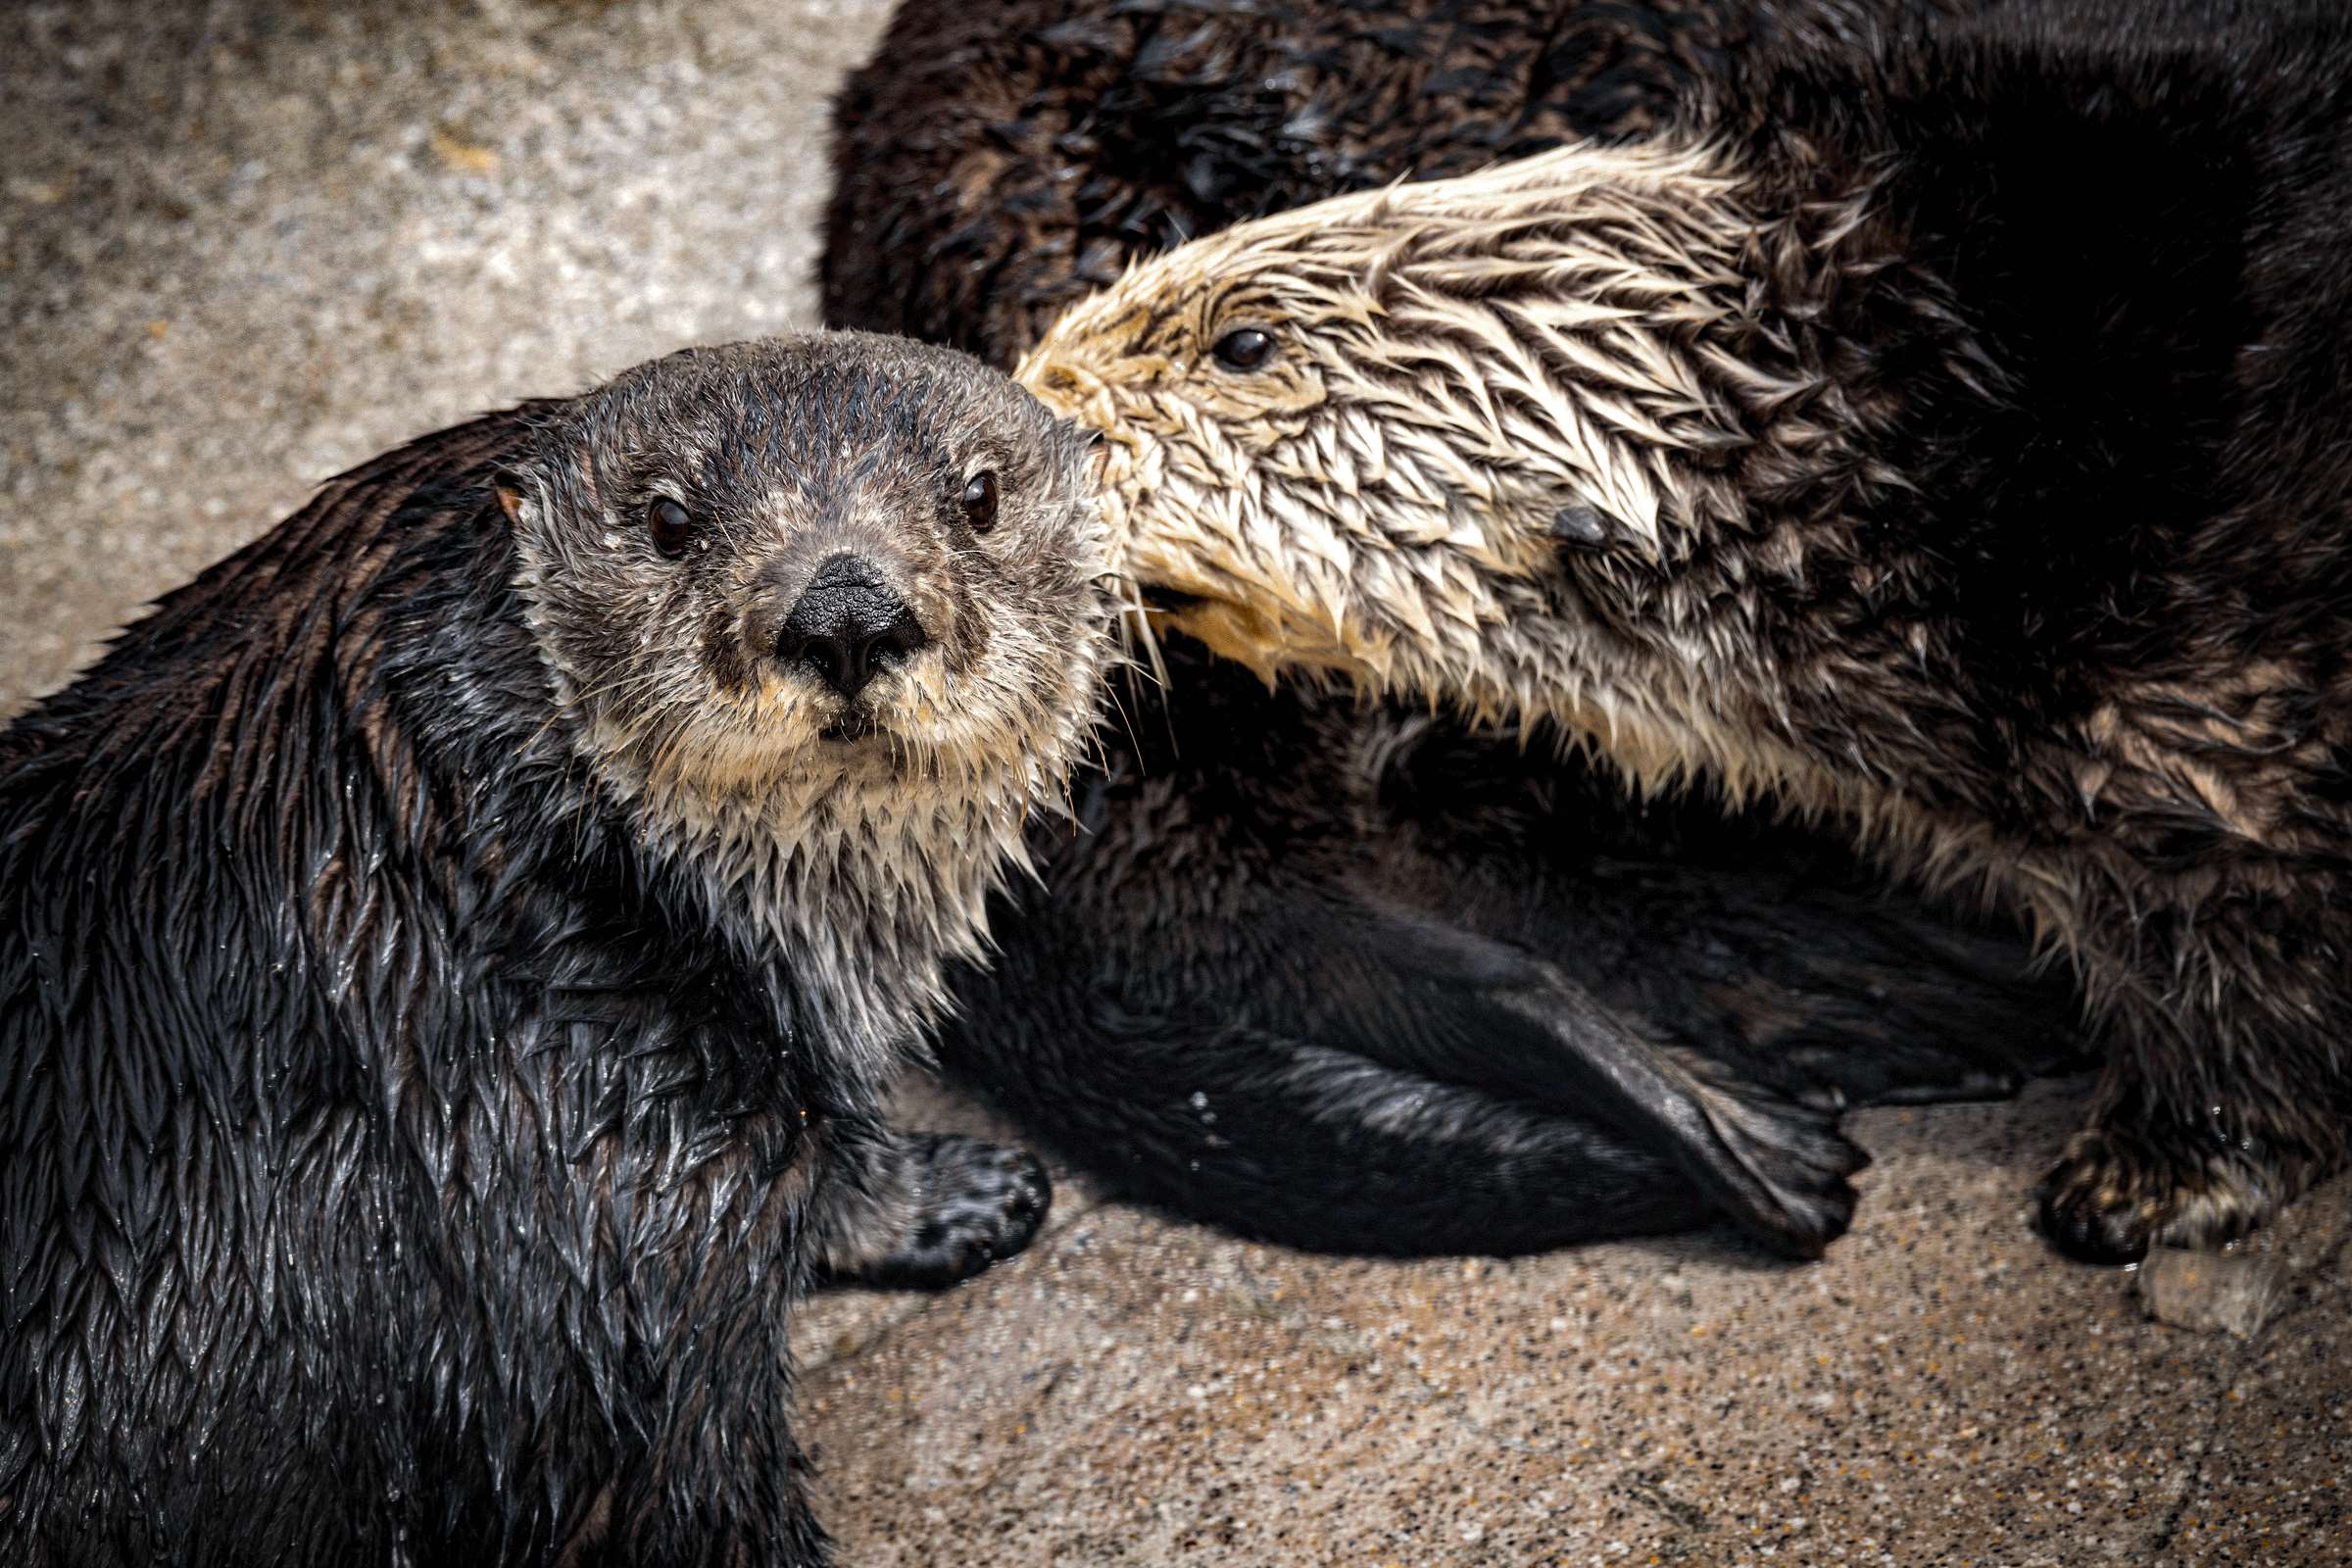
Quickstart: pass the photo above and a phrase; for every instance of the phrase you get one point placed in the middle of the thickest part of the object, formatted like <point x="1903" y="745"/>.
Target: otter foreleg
<point x="922" y="1211"/>
<point x="2145" y="1175"/>
<point x="2217" y="1111"/>
<point x="2225" y="1095"/>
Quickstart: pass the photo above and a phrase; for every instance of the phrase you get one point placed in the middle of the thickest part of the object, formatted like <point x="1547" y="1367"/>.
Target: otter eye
<point x="1245" y="348"/>
<point x="980" y="501"/>
<point x="671" y="526"/>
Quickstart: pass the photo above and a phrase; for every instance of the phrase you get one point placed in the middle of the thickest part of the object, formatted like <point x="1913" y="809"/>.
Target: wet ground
<point x="244" y="245"/>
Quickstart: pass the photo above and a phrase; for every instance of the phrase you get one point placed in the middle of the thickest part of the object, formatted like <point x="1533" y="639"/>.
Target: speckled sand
<point x="249" y="244"/>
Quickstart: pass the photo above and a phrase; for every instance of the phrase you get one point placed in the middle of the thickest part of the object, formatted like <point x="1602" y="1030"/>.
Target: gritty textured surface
<point x="249" y="244"/>
<point x="244" y="245"/>
<point x="1939" y="1391"/>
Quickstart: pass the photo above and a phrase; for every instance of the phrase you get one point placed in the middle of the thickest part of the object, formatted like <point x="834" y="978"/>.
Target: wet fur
<point x="1237" y="867"/>
<point x="1334" y="977"/>
<point x="1953" y="448"/>
<point x="997" y="163"/>
<point x="422" y="1103"/>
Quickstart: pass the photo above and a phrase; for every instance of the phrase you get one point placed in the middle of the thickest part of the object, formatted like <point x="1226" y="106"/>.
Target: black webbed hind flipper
<point x="1306" y="1146"/>
<point x="1386" y="1087"/>
<point x="1424" y="996"/>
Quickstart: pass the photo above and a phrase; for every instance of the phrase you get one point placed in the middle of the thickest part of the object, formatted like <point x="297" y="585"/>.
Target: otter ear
<point x="515" y="487"/>
<point x="1585" y="529"/>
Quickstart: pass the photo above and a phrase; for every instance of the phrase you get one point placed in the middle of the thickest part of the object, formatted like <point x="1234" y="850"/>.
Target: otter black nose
<point x="848" y="626"/>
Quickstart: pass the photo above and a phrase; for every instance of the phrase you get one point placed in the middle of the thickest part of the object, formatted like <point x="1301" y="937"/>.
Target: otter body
<point x="1342" y="977"/>
<point x="1349" y="978"/>
<point x="1942" y="429"/>
<point x="457" y="945"/>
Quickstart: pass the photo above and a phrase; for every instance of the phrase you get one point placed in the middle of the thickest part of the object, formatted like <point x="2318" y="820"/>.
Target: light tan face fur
<point x="864" y="832"/>
<point x="1456" y="367"/>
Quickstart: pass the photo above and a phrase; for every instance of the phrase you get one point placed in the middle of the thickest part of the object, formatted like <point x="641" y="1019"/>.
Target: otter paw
<point x="975" y="1203"/>
<point x="2114" y="1193"/>
<point x="1778" y="1166"/>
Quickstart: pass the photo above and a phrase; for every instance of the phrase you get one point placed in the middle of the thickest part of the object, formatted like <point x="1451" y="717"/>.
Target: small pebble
<point x="2206" y="1292"/>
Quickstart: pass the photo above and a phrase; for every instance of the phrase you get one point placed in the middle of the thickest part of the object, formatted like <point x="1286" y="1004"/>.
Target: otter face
<point x="842" y="568"/>
<point x="1371" y="433"/>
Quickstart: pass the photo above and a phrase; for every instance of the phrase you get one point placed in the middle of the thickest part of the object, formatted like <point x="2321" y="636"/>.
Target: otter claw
<point x="981" y="1203"/>
<point x="1780" y="1168"/>
<point x="2111" y="1196"/>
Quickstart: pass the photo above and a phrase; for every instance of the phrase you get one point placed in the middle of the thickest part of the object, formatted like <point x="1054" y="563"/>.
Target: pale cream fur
<point x="1378" y="501"/>
<point x="1456" y="363"/>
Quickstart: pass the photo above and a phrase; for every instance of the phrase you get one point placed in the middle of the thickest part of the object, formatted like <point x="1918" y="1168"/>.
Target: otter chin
<point x="459" y="945"/>
<point x="1938" y="427"/>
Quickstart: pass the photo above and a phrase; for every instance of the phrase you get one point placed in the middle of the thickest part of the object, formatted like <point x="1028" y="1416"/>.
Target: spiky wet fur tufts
<point x="1942" y="431"/>
<point x="451" y="979"/>
<point x="868" y="866"/>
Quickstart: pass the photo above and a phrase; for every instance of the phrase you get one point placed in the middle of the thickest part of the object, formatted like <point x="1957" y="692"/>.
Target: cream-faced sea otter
<point x="457" y="946"/>
<point x="1944" y="432"/>
<point x="1342" y="976"/>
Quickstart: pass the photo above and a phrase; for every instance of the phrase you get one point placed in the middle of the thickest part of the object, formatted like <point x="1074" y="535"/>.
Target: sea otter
<point x="457" y="946"/>
<point x="1943" y="431"/>
<point x="1225" y="997"/>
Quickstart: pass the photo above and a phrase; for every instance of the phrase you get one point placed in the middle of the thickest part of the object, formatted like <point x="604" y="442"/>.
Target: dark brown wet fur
<point x="402" y="1159"/>
<point x="1000" y="160"/>
<point x="2101" y="329"/>
<point x="2100" y="325"/>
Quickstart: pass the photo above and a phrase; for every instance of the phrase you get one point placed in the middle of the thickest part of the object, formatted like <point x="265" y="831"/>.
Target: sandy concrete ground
<point x="246" y="244"/>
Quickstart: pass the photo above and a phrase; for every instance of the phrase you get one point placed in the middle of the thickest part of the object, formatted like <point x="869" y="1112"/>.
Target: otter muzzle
<point x="847" y="626"/>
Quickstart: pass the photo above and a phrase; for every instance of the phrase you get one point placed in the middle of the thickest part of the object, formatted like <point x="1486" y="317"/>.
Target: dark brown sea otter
<point x="1942" y="431"/>
<point x="456" y="947"/>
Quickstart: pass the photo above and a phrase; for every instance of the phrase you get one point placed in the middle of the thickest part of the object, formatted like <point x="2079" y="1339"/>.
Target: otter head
<point x="828" y="614"/>
<point x="1462" y="439"/>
